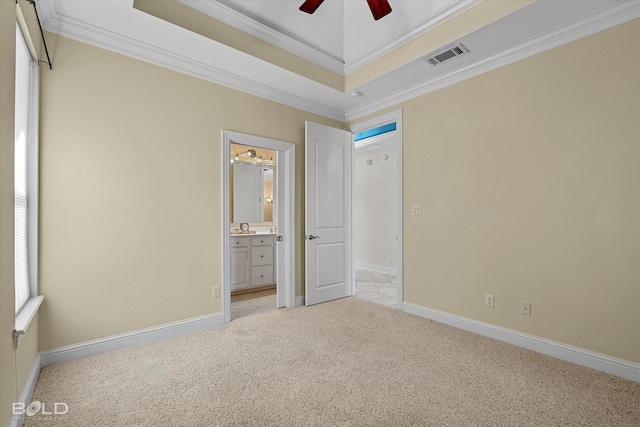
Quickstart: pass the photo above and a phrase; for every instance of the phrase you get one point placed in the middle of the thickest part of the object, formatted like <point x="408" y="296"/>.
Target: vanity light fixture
<point x="250" y="152"/>
<point x="253" y="154"/>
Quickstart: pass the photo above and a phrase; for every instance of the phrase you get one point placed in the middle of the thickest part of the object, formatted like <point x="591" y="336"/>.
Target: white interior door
<point x="328" y="187"/>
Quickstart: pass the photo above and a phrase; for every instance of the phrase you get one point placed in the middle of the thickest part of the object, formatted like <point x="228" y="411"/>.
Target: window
<point x="370" y="133"/>
<point x="25" y="182"/>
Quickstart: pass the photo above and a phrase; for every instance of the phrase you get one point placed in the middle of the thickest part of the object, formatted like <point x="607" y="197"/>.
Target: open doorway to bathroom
<point x="377" y="209"/>
<point x="253" y="230"/>
<point x="258" y="244"/>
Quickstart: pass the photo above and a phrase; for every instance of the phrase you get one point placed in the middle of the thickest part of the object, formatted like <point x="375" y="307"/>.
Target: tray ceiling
<point x="345" y="29"/>
<point x="382" y="59"/>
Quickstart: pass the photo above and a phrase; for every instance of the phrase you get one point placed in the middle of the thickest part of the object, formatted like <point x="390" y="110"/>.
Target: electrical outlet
<point x="416" y="210"/>
<point x="215" y="292"/>
<point x="488" y="300"/>
<point x="525" y="308"/>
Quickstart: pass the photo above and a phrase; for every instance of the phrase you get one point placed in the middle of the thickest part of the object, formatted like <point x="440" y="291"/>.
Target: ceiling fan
<point x="379" y="8"/>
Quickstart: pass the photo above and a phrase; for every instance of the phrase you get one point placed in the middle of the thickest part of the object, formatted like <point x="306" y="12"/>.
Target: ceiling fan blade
<point x="379" y="8"/>
<point x="310" y="6"/>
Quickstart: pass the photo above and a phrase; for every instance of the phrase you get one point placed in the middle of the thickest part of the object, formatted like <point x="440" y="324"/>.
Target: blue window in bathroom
<point x="375" y="131"/>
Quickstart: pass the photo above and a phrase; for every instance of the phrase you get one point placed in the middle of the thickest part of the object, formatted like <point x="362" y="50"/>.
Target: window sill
<point x="24" y="318"/>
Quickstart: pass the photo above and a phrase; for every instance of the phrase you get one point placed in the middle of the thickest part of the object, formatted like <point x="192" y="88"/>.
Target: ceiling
<point x="314" y="62"/>
<point x="345" y="29"/>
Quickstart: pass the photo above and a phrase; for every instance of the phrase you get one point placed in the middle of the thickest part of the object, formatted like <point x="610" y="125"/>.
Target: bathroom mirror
<point x="252" y="179"/>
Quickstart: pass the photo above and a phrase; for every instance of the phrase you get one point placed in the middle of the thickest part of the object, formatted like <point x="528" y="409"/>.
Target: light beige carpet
<point x="345" y="363"/>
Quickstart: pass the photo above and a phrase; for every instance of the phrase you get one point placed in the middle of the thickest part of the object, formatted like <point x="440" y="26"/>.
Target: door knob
<point x="311" y="237"/>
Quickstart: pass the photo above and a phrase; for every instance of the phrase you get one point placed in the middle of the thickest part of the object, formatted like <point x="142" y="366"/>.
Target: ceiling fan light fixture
<point x="310" y="6"/>
<point x="379" y="8"/>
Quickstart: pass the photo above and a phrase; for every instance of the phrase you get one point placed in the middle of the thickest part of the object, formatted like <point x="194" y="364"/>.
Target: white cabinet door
<point x="240" y="268"/>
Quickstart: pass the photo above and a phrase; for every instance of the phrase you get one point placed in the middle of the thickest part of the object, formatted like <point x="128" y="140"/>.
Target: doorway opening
<point x="377" y="209"/>
<point x="258" y="228"/>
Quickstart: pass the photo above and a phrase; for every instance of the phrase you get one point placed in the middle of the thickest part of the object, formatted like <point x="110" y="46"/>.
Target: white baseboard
<point x="27" y="391"/>
<point x="377" y="268"/>
<point x="103" y="345"/>
<point x="579" y="356"/>
<point x="299" y="301"/>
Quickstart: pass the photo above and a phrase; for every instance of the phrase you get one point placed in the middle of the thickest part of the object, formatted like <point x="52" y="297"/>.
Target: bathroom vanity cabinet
<point x="252" y="261"/>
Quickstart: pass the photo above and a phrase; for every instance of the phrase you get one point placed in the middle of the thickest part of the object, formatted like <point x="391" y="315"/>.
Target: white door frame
<point x="394" y="116"/>
<point x="285" y="177"/>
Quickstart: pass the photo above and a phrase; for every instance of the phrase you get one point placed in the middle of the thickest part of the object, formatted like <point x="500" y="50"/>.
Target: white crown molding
<point x="75" y="29"/>
<point x="614" y="15"/>
<point x="114" y="342"/>
<point x="416" y="31"/>
<point x="250" y="26"/>
<point x="590" y="359"/>
<point x="46" y="9"/>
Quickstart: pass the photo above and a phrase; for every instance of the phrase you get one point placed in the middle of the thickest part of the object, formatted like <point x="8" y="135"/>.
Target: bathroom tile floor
<point x="244" y="305"/>
<point x="379" y="288"/>
<point x="376" y="287"/>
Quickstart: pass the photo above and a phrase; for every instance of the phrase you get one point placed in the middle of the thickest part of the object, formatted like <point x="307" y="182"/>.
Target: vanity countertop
<point x="251" y="233"/>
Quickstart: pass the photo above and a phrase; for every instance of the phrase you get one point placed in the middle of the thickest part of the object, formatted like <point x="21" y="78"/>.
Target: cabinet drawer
<point x="261" y="255"/>
<point x="261" y="276"/>
<point x="262" y="241"/>
<point x="240" y="242"/>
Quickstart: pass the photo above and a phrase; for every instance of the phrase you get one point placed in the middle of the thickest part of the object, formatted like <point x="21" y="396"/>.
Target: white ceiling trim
<point x="244" y="23"/>
<point x="72" y="28"/>
<point x="250" y="26"/>
<point x="410" y="34"/>
<point x="616" y="14"/>
<point x="46" y="9"/>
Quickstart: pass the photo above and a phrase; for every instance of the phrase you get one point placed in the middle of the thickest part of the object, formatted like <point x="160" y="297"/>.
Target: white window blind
<point x="24" y="64"/>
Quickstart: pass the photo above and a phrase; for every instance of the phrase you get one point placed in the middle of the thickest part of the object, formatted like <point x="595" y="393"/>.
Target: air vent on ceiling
<point x="450" y="52"/>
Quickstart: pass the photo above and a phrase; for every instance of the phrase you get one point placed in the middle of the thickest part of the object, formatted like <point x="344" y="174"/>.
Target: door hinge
<point x="279" y="238"/>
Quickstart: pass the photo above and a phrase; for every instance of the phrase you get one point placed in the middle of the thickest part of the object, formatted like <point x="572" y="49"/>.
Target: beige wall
<point x="374" y="208"/>
<point x="15" y="365"/>
<point x="26" y="354"/>
<point x="131" y="190"/>
<point x="529" y="179"/>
